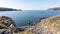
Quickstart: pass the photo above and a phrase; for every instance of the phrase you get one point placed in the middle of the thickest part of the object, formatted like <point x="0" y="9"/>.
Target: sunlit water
<point x="21" y="18"/>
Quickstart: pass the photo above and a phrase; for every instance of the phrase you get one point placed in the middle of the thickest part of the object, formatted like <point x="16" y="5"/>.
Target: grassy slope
<point x="48" y="25"/>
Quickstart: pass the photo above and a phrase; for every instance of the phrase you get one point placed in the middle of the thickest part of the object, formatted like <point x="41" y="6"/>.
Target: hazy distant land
<point x="8" y="9"/>
<point x="57" y="8"/>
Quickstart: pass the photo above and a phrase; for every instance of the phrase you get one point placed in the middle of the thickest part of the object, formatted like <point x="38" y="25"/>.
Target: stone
<point x="7" y="25"/>
<point x="50" y="25"/>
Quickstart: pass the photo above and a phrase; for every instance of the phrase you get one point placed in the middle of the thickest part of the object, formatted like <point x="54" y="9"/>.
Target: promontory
<point x="8" y="9"/>
<point x="57" y="8"/>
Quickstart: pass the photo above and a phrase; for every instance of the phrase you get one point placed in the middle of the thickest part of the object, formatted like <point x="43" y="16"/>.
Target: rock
<point x="5" y="31"/>
<point x="7" y="25"/>
<point x="50" y="25"/>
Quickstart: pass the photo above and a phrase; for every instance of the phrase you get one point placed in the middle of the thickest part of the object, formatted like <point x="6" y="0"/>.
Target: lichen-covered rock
<point x="5" y="31"/>
<point x="7" y="25"/>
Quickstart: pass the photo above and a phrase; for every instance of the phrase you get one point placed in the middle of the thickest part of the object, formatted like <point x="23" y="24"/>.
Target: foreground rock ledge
<point x="50" y="25"/>
<point x="7" y="25"/>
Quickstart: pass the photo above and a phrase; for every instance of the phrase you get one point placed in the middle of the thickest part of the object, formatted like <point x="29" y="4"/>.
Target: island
<point x="8" y="9"/>
<point x="57" y="8"/>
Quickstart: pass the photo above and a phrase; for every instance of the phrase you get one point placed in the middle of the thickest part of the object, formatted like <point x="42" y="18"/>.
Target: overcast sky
<point x="30" y="4"/>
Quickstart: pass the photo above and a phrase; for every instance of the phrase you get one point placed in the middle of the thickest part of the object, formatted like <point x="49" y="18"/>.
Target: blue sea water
<point x="21" y="18"/>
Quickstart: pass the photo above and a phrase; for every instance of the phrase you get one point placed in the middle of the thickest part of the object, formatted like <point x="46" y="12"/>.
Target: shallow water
<point x="21" y="18"/>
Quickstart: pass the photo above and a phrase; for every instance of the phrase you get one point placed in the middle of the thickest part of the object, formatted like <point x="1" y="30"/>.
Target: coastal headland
<point x="8" y="9"/>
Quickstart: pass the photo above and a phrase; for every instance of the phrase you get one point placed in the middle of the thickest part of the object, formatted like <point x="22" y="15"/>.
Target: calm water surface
<point x="21" y="18"/>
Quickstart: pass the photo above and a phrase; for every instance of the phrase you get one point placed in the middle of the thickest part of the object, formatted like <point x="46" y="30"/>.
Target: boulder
<point x="7" y="25"/>
<point x="5" y="31"/>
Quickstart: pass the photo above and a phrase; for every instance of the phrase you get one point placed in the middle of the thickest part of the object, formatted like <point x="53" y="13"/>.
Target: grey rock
<point x="5" y="24"/>
<point x="5" y="31"/>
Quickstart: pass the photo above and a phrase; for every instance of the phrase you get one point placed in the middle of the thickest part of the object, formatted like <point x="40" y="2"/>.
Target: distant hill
<point x="8" y="9"/>
<point x="57" y="8"/>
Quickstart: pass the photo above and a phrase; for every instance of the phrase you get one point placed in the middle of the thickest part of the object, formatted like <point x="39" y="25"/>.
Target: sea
<point x="21" y="18"/>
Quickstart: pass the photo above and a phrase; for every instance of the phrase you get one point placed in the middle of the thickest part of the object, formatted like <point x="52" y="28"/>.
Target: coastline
<point x="8" y="9"/>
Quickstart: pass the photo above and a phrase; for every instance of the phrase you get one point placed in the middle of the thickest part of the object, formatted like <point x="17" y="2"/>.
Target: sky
<point x="30" y="4"/>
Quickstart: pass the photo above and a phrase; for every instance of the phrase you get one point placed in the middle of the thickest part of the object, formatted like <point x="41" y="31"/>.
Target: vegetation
<point x="50" y="25"/>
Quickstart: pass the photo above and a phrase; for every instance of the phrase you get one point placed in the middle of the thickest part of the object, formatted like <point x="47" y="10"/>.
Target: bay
<point x="21" y="18"/>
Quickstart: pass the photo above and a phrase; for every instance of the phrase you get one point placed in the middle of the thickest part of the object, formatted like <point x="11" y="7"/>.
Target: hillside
<point x="58" y="8"/>
<point x="8" y="26"/>
<point x="8" y="9"/>
<point x="50" y="25"/>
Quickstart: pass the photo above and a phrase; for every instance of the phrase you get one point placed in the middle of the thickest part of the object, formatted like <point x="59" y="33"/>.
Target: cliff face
<point x="50" y="25"/>
<point x="54" y="8"/>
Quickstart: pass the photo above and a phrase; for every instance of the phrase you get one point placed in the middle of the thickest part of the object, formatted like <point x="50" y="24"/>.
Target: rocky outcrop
<point x="8" y="26"/>
<point x="50" y="25"/>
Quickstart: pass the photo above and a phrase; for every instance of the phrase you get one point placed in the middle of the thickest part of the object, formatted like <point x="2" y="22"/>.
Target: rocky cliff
<point x="50" y="25"/>
<point x="8" y="26"/>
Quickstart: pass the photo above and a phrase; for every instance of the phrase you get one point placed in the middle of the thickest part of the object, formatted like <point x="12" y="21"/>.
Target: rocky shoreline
<point x="8" y="9"/>
<point x="8" y="26"/>
<point x="49" y="25"/>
